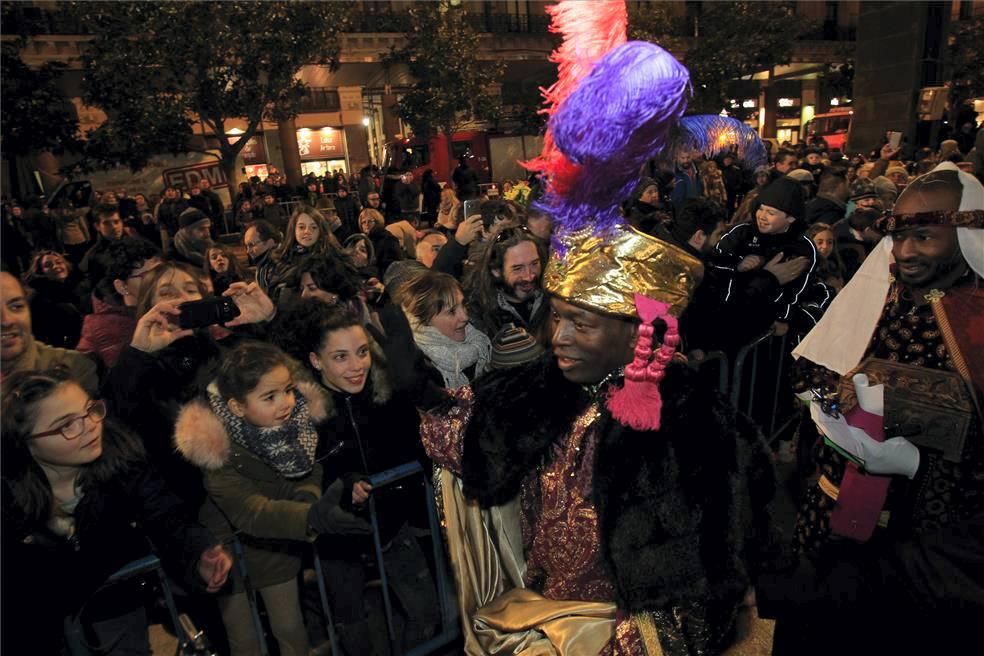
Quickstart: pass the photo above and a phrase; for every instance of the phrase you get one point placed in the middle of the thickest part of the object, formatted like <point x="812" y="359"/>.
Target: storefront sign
<point x="186" y="176"/>
<point x="326" y="143"/>
<point x="254" y="152"/>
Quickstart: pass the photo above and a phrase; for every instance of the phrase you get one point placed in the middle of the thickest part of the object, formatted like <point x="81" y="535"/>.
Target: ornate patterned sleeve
<point x="443" y="430"/>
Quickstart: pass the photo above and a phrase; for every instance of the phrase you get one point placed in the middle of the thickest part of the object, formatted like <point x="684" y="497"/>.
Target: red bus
<point x="834" y="127"/>
<point x="418" y="155"/>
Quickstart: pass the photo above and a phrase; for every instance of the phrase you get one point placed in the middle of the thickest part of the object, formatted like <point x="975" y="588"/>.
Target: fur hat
<point x="784" y="194"/>
<point x="190" y="217"/>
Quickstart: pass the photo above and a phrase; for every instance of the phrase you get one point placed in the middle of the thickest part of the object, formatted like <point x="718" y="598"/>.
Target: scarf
<point x="287" y="449"/>
<point x="191" y="248"/>
<point x="450" y="357"/>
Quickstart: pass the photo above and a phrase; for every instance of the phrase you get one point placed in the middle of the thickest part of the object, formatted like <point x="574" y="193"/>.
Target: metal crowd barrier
<point x="190" y="639"/>
<point x="761" y="367"/>
<point x="449" y="627"/>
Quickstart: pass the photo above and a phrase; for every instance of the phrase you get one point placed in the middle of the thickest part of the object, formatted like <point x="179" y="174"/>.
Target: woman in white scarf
<point x="435" y="307"/>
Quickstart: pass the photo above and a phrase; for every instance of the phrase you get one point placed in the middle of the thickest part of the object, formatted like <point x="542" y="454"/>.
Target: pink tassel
<point x="638" y="403"/>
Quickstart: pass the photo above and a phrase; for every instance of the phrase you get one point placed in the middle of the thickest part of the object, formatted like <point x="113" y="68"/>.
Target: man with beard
<point x="193" y="239"/>
<point x="506" y="284"/>
<point x="892" y="531"/>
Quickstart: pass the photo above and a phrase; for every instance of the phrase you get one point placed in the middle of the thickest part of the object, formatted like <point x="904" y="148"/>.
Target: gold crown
<point x="605" y="272"/>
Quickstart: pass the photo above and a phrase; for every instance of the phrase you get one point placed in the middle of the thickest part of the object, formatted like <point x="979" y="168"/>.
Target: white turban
<point x="841" y="338"/>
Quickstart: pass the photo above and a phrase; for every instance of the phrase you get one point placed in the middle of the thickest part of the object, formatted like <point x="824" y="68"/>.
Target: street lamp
<point x="365" y="122"/>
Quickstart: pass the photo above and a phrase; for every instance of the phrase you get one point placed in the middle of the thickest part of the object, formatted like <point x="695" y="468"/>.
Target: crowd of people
<point x="162" y="392"/>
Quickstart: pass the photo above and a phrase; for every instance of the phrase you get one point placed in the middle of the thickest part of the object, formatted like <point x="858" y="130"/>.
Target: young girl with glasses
<point x="80" y="502"/>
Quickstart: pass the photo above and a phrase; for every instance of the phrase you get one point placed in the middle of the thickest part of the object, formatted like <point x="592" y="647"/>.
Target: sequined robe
<point x="943" y="492"/>
<point x="569" y="554"/>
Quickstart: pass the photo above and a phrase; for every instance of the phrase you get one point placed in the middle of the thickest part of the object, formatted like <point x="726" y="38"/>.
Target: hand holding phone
<point x="894" y="140"/>
<point x="469" y="230"/>
<point x="206" y="312"/>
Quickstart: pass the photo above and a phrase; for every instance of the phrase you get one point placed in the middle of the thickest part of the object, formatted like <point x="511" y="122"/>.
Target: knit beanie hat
<point x="784" y="194"/>
<point x="190" y="217"/>
<point x="800" y="175"/>
<point x="513" y="346"/>
<point x="644" y="183"/>
<point x="863" y="188"/>
<point x="897" y="167"/>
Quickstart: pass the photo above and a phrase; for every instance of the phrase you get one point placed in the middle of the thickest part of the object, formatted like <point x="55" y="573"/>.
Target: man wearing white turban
<point x="890" y="537"/>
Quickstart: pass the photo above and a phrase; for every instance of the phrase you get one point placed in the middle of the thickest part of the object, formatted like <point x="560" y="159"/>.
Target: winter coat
<point x="348" y="213"/>
<point x="824" y="210"/>
<point x="386" y="429"/>
<point x="38" y="356"/>
<point x="758" y="288"/>
<point x="432" y="198"/>
<point x="682" y="512"/>
<point x="248" y="497"/>
<point x="107" y="330"/>
<point x="686" y="186"/>
<point x="47" y="578"/>
<point x="168" y="212"/>
<point x="146" y="390"/>
<point x="96" y="261"/>
<point x="57" y="310"/>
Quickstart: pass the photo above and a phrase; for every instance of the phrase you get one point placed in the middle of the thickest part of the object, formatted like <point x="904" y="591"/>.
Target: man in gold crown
<point x="596" y="501"/>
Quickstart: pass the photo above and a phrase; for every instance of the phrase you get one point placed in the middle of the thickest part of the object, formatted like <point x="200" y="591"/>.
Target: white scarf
<point x="450" y="357"/>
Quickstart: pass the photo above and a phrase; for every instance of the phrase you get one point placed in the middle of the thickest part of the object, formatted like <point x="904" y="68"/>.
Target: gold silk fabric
<point x="524" y="623"/>
<point x="605" y="272"/>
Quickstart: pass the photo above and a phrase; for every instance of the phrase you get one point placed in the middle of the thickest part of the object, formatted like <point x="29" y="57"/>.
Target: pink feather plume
<point x="589" y="31"/>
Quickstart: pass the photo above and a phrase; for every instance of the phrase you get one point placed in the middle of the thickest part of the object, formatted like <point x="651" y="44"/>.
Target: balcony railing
<point x="28" y="20"/>
<point x="321" y="99"/>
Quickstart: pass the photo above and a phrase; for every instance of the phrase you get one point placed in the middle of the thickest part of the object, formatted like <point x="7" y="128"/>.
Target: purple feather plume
<point x="619" y="117"/>
<point x="712" y="135"/>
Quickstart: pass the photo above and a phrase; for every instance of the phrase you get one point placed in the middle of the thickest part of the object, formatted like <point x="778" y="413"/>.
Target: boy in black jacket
<point x="760" y="269"/>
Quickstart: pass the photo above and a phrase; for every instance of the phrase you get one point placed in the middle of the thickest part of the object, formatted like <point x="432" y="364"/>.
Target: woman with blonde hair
<point x="447" y="212"/>
<point x="435" y="307"/>
<point x="386" y="246"/>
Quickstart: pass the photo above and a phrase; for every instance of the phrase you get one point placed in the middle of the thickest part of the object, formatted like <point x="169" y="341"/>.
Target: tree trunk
<point x="228" y="164"/>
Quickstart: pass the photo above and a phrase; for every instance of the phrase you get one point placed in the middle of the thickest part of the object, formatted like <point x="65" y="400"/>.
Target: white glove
<point x="895" y="456"/>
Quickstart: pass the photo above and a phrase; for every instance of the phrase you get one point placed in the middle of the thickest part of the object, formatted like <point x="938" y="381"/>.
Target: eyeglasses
<point x="511" y="232"/>
<point x="74" y="427"/>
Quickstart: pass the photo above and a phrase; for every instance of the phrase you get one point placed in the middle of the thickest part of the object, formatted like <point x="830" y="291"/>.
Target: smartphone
<point x="894" y="139"/>
<point x="472" y="207"/>
<point x="206" y="312"/>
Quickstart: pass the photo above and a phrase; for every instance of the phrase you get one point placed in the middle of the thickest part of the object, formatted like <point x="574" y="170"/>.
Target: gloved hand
<point x="405" y="363"/>
<point x="327" y="517"/>
<point x="893" y="456"/>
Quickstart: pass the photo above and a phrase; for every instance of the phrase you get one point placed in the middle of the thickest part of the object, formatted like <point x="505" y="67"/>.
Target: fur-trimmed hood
<point x="201" y="437"/>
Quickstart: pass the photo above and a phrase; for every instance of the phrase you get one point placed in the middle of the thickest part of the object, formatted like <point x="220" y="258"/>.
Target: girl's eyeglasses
<point x="74" y="427"/>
